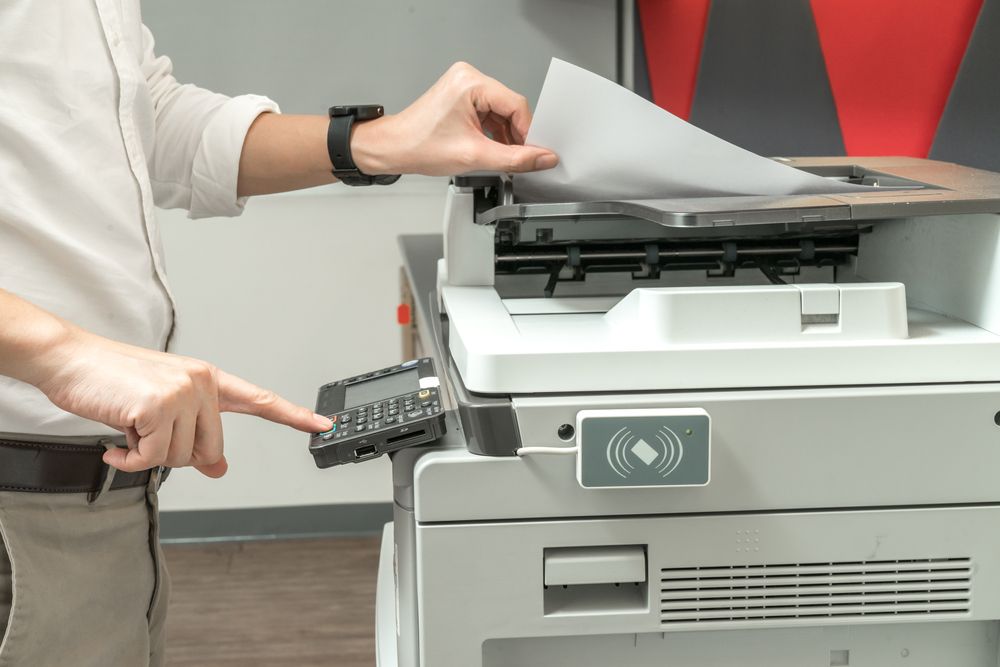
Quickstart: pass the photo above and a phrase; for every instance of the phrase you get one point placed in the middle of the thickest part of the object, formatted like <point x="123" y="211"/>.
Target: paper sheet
<point x="613" y="144"/>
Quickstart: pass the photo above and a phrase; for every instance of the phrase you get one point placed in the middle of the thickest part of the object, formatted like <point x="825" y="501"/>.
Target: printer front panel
<point x="907" y="446"/>
<point x="917" y="574"/>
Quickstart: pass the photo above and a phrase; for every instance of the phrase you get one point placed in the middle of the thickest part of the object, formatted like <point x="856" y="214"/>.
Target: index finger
<point x="501" y="100"/>
<point x="238" y="395"/>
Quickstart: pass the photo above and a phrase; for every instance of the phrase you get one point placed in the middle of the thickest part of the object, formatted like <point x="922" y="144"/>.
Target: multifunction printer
<point x="719" y="431"/>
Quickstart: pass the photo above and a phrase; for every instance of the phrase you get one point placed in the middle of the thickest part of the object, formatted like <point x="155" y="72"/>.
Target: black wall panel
<point x="763" y="83"/>
<point x="969" y="132"/>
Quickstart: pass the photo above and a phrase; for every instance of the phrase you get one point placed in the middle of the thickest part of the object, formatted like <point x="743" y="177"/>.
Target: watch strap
<point x="338" y="144"/>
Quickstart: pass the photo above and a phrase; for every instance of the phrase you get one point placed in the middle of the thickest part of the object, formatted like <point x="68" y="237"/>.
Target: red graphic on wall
<point x="892" y="64"/>
<point x="673" y="32"/>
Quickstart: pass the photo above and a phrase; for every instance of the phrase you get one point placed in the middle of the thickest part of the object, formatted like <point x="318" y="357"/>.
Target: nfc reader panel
<point x="643" y="448"/>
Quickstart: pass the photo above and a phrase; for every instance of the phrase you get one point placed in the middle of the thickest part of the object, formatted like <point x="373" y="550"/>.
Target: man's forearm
<point x="283" y="152"/>
<point x="29" y="338"/>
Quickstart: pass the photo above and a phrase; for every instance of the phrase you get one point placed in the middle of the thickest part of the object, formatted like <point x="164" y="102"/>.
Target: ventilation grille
<point x="813" y="591"/>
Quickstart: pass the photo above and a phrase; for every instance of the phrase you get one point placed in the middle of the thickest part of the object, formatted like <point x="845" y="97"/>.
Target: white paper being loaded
<point x="613" y="144"/>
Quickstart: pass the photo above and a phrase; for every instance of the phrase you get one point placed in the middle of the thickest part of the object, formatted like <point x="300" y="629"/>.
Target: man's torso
<point x="77" y="232"/>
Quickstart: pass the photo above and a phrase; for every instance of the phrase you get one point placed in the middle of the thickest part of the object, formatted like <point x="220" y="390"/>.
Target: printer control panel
<point x="378" y="412"/>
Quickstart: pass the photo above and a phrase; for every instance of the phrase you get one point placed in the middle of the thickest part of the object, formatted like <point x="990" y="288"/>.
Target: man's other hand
<point x="168" y="406"/>
<point x="445" y="131"/>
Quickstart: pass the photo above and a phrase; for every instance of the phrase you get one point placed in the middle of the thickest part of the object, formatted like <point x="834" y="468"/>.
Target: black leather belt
<point x="59" y="467"/>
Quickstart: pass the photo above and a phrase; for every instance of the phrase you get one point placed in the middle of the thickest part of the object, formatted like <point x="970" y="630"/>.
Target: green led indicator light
<point x="688" y="431"/>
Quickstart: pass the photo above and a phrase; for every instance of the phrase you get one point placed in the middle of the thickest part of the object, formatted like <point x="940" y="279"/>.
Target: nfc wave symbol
<point x="664" y="455"/>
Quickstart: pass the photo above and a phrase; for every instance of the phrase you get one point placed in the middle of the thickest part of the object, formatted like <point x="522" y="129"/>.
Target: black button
<point x="425" y="404"/>
<point x="359" y="428"/>
<point x="361" y="420"/>
<point x="415" y="414"/>
<point x="344" y="419"/>
<point x="390" y="420"/>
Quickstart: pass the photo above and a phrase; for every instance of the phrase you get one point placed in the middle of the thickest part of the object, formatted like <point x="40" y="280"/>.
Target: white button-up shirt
<point x="94" y="133"/>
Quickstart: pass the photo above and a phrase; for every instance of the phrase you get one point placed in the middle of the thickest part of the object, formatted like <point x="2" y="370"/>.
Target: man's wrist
<point x="369" y="144"/>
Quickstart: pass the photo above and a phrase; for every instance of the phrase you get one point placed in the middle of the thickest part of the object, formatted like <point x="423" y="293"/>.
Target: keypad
<point x="389" y="413"/>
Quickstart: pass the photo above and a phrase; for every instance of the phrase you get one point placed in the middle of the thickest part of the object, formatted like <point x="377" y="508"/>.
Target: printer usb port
<point x="365" y="452"/>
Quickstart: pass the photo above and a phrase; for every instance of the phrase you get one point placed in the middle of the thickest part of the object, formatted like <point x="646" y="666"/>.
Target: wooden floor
<point x="275" y="603"/>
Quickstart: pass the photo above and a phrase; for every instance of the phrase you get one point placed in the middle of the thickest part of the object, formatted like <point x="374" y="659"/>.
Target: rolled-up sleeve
<point x="199" y="138"/>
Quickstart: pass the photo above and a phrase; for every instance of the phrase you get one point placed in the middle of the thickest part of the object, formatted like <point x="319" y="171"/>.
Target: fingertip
<point x="546" y="161"/>
<point x="531" y="158"/>
<point x="214" y="470"/>
<point x="321" y="423"/>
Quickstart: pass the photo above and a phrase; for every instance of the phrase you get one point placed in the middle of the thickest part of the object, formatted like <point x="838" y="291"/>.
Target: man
<point x="93" y="131"/>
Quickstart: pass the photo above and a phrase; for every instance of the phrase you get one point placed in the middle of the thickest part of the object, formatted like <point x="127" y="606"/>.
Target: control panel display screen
<point x="381" y="388"/>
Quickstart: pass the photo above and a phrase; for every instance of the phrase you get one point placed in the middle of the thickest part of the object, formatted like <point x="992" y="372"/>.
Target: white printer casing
<point x="845" y="353"/>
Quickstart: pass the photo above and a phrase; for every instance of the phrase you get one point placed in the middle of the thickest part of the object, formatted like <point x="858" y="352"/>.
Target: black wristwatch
<point x="338" y="142"/>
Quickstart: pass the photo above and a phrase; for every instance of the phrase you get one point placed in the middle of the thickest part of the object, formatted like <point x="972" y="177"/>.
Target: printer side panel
<point x="949" y="264"/>
<point x="468" y="247"/>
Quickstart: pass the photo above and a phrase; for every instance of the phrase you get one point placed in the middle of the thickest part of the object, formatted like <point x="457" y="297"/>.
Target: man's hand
<point x="443" y="132"/>
<point x="168" y="406"/>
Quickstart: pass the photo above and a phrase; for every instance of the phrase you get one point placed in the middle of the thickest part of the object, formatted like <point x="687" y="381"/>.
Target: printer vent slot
<point x="811" y="592"/>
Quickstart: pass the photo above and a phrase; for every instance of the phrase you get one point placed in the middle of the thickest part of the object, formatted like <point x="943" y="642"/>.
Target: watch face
<point x="359" y="111"/>
<point x="369" y="111"/>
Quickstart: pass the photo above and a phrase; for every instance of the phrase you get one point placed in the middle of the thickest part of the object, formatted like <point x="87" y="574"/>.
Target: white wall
<point x="300" y="290"/>
<point x="309" y="54"/>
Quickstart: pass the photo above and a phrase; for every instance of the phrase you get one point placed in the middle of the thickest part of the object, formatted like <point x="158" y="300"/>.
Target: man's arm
<point x="168" y="406"/>
<point x="442" y="133"/>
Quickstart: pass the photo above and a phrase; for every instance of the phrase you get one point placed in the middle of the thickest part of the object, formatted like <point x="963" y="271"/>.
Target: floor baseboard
<point x="267" y="523"/>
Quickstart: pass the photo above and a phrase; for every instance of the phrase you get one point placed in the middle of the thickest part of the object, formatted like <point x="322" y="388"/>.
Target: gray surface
<point x="765" y="93"/>
<point x="274" y="522"/>
<point x="309" y="54"/>
<point x="969" y="131"/>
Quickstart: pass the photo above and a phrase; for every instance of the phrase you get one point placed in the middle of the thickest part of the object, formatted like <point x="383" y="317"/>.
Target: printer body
<point x="754" y="431"/>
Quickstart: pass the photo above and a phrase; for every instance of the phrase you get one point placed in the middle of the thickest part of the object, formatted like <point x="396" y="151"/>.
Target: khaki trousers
<point x="82" y="584"/>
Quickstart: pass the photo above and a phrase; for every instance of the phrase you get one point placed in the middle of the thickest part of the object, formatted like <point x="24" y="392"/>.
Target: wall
<point x="302" y="288"/>
<point x="298" y="291"/>
<point x="309" y="54"/>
